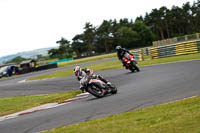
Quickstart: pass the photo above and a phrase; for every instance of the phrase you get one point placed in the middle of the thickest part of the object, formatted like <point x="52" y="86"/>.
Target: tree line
<point x="104" y="38"/>
<point x="159" y="24"/>
<point x="177" y="21"/>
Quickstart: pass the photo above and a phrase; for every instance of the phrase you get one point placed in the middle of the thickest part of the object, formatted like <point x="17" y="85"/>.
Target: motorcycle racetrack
<point x="153" y="85"/>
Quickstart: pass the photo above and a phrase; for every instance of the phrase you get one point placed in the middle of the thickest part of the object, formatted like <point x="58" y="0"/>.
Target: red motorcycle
<point x="130" y="63"/>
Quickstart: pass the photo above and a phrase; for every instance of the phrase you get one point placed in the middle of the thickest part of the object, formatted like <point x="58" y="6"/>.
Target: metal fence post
<point x="197" y="36"/>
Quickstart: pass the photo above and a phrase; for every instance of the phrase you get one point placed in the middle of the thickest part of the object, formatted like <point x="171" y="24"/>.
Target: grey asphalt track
<point x="153" y="85"/>
<point x="11" y="87"/>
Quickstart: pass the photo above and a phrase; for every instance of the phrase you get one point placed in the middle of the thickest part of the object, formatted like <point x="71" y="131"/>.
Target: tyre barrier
<point x="186" y="48"/>
<point x="166" y="51"/>
<point x="137" y="54"/>
<point x="191" y="47"/>
<point x="154" y="52"/>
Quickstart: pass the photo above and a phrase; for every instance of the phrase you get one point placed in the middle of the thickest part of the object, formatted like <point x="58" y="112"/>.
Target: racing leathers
<point x="90" y="73"/>
<point x="121" y="53"/>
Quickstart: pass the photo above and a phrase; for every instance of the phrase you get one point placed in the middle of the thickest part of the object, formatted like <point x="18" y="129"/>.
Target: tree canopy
<point x="17" y="60"/>
<point x="177" y="21"/>
<point x="159" y="24"/>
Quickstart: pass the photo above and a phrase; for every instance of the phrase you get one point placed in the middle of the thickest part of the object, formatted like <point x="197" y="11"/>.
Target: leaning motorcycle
<point x="130" y="63"/>
<point x="97" y="87"/>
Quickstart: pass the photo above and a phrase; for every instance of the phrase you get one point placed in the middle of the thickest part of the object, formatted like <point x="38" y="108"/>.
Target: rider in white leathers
<point x="81" y="73"/>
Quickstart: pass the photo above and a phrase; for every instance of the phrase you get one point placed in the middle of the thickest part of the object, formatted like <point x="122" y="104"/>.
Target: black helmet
<point x="118" y="47"/>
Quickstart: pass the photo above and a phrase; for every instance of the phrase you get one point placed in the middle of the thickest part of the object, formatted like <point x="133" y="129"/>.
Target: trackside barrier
<point x="47" y="66"/>
<point x="165" y="51"/>
<point x="176" y="49"/>
<point x="39" y="68"/>
<point x="138" y="55"/>
<point x="191" y="37"/>
<point x="186" y="48"/>
<point x="154" y="52"/>
<point x="62" y="60"/>
<point x="198" y="43"/>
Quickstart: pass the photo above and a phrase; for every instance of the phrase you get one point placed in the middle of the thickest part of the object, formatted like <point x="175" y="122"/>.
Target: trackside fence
<point x="183" y="48"/>
<point x="62" y="60"/>
<point x="175" y="40"/>
<point x="138" y="55"/>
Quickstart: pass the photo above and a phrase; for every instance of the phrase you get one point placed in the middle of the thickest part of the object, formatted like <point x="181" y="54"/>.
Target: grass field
<point x="116" y="64"/>
<point x="85" y="60"/>
<point x="177" y="117"/>
<point x="11" y="105"/>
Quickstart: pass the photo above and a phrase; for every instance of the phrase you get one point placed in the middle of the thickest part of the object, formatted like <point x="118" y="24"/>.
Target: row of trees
<point x="177" y="21"/>
<point x="19" y="59"/>
<point x="105" y="38"/>
<point x="159" y="24"/>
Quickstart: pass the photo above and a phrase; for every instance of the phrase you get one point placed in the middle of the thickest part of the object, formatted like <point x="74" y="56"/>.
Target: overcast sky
<point x="31" y="24"/>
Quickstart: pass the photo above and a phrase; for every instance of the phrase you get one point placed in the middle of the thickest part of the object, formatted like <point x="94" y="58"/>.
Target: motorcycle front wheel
<point x="113" y="89"/>
<point x="96" y="90"/>
<point x="135" y="67"/>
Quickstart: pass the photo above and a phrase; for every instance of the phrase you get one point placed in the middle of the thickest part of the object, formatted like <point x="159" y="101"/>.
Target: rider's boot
<point x="82" y="89"/>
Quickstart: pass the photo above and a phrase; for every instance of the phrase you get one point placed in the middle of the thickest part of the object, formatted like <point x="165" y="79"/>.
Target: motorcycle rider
<point x="80" y="73"/>
<point x="121" y="53"/>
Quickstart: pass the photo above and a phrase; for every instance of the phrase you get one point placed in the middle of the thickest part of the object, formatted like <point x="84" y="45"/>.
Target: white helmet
<point x="77" y="71"/>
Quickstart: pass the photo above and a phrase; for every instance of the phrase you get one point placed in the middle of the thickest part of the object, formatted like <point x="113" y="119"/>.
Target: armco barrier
<point x="62" y="60"/>
<point x="176" y="49"/>
<point x="165" y="51"/>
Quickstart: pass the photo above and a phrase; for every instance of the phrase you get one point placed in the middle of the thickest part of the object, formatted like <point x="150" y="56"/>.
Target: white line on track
<point x="23" y="81"/>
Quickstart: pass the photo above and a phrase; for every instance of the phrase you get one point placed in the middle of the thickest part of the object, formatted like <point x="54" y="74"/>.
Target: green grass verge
<point x="115" y="64"/>
<point x="89" y="59"/>
<point x="97" y="67"/>
<point x="11" y="105"/>
<point x="170" y="59"/>
<point x="178" y="117"/>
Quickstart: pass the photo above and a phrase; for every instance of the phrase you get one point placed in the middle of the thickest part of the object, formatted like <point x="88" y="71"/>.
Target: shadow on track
<point x="92" y="98"/>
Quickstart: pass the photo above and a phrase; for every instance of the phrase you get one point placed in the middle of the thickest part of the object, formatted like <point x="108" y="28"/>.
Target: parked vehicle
<point x="6" y="71"/>
<point x="96" y="87"/>
<point x="130" y="63"/>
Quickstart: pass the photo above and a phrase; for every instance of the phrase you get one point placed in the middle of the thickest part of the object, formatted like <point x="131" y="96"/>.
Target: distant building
<point x="28" y="64"/>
